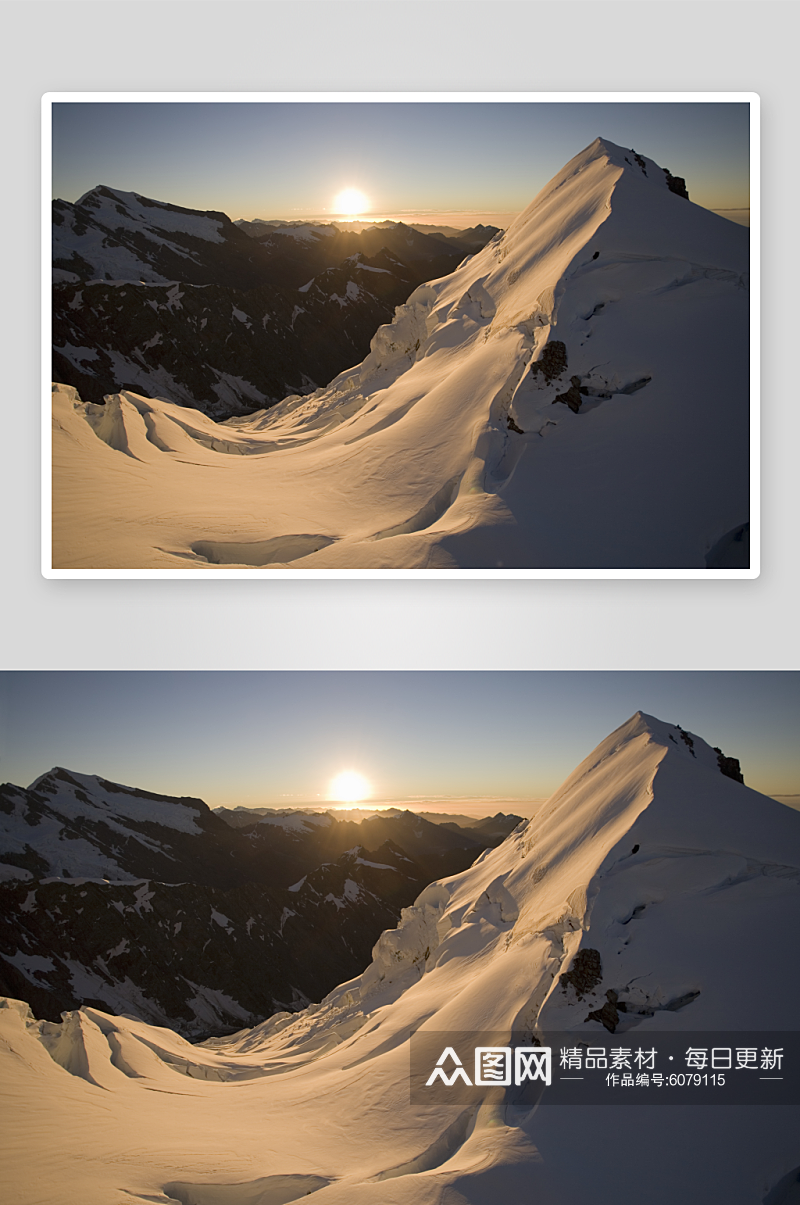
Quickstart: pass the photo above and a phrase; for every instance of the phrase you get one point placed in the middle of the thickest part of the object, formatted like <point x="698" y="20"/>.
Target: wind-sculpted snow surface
<point x="574" y="395"/>
<point x="650" y="875"/>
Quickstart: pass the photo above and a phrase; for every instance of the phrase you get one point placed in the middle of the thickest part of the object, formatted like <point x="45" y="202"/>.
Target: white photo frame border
<point x="750" y="98"/>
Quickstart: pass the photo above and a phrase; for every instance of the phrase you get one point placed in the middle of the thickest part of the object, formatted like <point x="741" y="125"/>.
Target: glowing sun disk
<point x="349" y="787"/>
<point x="351" y="202"/>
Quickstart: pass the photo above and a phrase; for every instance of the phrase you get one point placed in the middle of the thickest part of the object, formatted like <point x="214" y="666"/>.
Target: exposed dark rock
<point x="159" y="947"/>
<point x="608" y="1015"/>
<point x="218" y="349"/>
<point x="687" y="740"/>
<point x="640" y="161"/>
<point x="512" y="426"/>
<point x="584" y="974"/>
<point x="676" y="184"/>
<point x="729" y="766"/>
<point x="552" y="362"/>
<point x="572" y="397"/>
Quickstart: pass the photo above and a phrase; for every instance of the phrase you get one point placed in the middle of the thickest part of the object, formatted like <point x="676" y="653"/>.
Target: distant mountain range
<point x="221" y="316"/>
<point x="156" y="905"/>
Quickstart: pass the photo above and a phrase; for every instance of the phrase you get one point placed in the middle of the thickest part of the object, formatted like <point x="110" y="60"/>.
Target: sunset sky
<point x="280" y="738"/>
<point x="292" y="160"/>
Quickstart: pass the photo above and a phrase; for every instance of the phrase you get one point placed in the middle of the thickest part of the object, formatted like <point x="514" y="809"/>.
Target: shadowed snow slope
<point x="684" y="883"/>
<point x="574" y="395"/>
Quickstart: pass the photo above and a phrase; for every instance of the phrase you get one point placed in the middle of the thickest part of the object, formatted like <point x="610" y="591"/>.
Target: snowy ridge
<point x="303" y="231"/>
<point x="297" y="821"/>
<point x="84" y="794"/>
<point x="122" y="220"/>
<point x="682" y="882"/>
<point x="592" y="343"/>
<point x="75" y="825"/>
<point x="128" y="210"/>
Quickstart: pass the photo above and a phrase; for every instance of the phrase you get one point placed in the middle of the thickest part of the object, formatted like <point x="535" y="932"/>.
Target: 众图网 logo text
<point x="493" y="1067"/>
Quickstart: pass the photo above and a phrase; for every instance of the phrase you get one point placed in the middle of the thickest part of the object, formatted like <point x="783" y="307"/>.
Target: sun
<point x="349" y="787"/>
<point x="350" y="202"/>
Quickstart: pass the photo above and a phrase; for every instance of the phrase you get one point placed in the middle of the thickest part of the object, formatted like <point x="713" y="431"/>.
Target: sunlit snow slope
<point x="574" y="395"/>
<point x="683" y="881"/>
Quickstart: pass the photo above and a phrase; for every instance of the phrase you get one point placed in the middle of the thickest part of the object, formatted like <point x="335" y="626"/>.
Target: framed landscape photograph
<point x="400" y="335"/>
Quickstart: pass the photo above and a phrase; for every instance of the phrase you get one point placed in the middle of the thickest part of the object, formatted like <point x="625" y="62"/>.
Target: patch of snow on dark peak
<point x="88" y="795"/>
<point x="52" y="777"/>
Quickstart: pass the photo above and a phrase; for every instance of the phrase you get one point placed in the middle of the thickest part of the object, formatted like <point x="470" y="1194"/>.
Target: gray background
<point x="444" y="46"/>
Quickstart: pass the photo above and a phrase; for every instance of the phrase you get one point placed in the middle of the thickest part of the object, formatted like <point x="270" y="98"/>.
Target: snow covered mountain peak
<point x="119" y="210"/>
<point x="94" y="197"/>
<point x="642" y="730"/>
<point x="53" y="779"/>
<point x="647" y="819"/>
<point x="72" y="793"/>
<point x="608" y="155"/>
<point x="81" y="825"/>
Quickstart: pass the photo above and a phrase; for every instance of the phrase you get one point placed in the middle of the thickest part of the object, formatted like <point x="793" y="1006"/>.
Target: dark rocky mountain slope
<point x="190" y="306"/>
<point x="150" y="904"/>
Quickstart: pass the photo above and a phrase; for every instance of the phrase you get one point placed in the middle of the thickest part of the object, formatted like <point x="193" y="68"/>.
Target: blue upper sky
<point x="290" y="160"/>
<point x="278" y="738"/>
